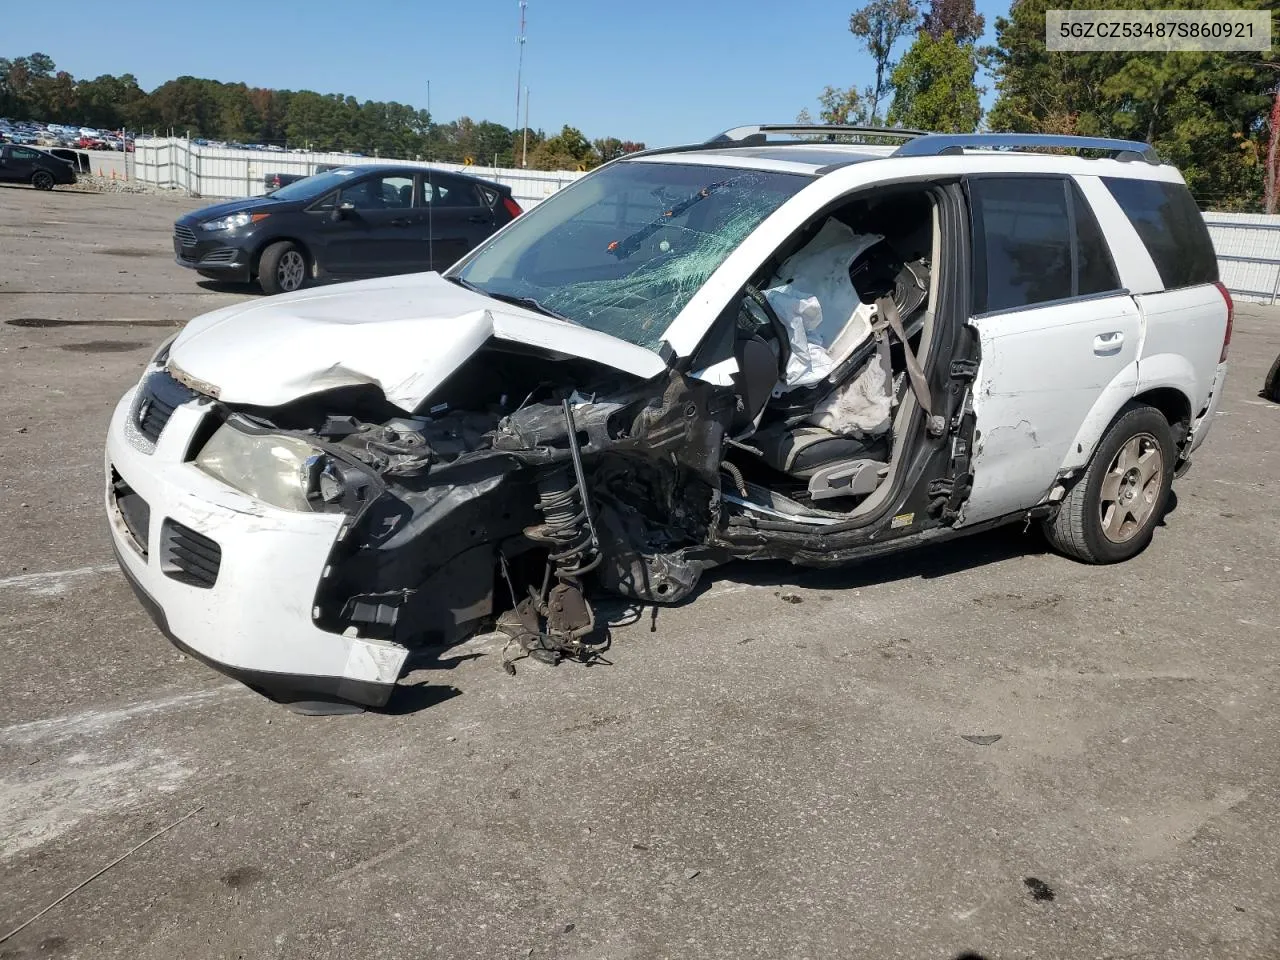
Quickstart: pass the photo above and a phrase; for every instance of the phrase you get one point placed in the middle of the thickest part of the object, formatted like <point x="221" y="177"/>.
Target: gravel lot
<point x="748" y="778"/>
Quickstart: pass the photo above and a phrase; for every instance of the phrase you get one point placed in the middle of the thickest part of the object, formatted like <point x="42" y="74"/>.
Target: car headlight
<point x="242" y="219"/>
<point x="286" y="472"/>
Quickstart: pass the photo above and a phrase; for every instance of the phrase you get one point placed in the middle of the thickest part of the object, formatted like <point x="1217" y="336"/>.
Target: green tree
<point x="32" y="87"/>
<point x="1205" y="112"/>
<point x="567" y="150"/>
<point x="934" y="86"/>
<point x="880" y="25"/>
<point x="844" y="106"/>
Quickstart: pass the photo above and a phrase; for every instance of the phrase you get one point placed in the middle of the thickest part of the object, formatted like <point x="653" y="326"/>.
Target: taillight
<point x="1231" y="316"/>
<point x="511" y="207"/>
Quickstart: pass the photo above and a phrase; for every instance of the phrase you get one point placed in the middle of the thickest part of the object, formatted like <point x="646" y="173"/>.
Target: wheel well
<point x="1175" y="406"/>
<point x="257" y="254"/>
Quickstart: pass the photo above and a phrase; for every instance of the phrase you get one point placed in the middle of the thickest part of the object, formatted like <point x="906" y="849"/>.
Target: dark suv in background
<point x="344" y="223"/>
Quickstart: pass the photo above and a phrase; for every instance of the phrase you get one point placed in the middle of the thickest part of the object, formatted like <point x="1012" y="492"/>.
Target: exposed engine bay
<point x="508" y="495"/>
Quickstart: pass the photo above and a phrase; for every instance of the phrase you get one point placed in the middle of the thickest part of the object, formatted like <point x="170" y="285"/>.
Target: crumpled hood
<point x="405" y="334"/>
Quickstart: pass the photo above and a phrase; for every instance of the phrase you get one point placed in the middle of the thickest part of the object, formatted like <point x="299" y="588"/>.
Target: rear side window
<point x="1171" y="227"/>
<point x="1036" y="241"/>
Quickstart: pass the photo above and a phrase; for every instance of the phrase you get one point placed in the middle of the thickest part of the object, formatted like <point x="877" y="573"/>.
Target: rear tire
<point x="282" y="268"/>
<point x="42" y="180"/>
<point x="1271" y="386"/>
<point x="1111" y="512"/>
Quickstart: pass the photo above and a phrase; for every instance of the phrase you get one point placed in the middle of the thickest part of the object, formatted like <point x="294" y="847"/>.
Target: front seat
<point x="834" y="465"/>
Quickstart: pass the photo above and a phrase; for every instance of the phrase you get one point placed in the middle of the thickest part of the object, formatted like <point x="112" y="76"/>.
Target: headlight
<point x="242" y="219"/>
<point x="281" y="471"/>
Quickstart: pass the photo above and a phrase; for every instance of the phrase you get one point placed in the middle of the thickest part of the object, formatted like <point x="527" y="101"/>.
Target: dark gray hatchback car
<point x="349" y="222"/>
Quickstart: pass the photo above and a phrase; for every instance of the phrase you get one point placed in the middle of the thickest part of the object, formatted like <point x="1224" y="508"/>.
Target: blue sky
<point x="661" y="71"/>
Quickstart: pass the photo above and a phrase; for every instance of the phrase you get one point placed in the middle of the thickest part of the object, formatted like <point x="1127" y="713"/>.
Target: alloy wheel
<point x="1131" y="488"/>
<point x="291" y="271"/>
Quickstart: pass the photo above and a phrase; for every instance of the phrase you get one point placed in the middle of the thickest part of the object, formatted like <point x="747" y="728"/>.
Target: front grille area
<point x="187" y="556"/>
<point x="158" y="397"/>
<point x="221" y="255"/>
<point x="134" y="512"/>
<point x="185" y="235"/>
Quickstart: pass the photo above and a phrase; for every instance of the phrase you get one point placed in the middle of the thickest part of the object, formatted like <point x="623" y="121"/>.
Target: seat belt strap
<point x="888" y="310"/>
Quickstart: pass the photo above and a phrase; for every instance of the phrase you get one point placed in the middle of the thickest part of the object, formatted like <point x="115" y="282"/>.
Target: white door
<point x="1056" y="334"/>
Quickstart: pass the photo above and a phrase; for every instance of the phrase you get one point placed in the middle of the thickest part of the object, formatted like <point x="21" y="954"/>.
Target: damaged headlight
<point x="286" y="472"/>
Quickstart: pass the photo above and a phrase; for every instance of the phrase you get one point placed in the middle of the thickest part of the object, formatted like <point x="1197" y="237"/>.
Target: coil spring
<point x="565" y="524"/>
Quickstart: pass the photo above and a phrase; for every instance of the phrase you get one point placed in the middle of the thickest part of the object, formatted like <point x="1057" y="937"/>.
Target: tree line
<point x="1216" y="116"/>
<point x="32" y="88"/>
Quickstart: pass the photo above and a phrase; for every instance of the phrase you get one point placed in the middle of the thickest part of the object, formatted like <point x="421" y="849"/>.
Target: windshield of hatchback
<point x="625" y="249"/>
<point x="313" y="186"/>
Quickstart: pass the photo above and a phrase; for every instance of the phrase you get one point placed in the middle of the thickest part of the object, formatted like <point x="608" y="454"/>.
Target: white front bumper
<point x="255" y="622"/>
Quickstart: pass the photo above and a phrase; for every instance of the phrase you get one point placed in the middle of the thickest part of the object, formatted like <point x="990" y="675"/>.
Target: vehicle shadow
<point x="924" y="562"/>
<point x="413" y="698"/>
<point x="229" y="286"/>
<point x="253" y="290"/>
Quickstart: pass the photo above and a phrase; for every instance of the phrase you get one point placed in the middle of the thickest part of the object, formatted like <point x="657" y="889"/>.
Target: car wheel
<point x="1111" y="511"/>
<point x="42" y="180"/>
<point x="282" y="268"/>
<point x="1271" y="386"/>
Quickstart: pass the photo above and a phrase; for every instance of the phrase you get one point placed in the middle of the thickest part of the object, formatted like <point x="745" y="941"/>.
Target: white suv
<point x="794" y="343"/>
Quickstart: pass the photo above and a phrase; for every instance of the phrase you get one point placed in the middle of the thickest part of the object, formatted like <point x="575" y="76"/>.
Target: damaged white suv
<point x="796" y="343"/>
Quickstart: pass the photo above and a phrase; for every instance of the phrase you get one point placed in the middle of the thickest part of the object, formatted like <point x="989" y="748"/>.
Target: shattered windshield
<point x="623" y="250"/>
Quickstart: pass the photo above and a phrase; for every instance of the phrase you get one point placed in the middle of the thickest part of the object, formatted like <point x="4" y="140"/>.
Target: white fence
<point x="220" y="172"/>
<point x="1248" y="248"/>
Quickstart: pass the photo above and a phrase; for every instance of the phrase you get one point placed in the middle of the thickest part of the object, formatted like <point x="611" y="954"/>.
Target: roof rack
<point x="939" y="144"/>
<point x="754" y="135"/>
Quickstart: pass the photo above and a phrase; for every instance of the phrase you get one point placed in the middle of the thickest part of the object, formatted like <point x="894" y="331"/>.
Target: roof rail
<point x="938" y="144"/>
<point x="754" y="135"/>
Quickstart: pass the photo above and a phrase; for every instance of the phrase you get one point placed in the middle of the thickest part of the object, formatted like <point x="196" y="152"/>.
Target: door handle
<point x="401" y="222"/>
<point x="477" y="219"/>
<point x="1108" y="342"/>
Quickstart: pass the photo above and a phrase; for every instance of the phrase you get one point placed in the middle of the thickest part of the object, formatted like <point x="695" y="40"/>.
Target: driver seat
<point x="834" y="465"/>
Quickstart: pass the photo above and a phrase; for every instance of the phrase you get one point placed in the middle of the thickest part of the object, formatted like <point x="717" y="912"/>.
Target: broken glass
<point x="624" y="250"/>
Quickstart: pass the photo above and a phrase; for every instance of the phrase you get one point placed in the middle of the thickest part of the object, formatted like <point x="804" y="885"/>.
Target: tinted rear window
<point x="1170" y="225"/>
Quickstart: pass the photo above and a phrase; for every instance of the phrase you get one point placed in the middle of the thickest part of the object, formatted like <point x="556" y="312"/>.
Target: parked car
<point x="19" y="164"/>
<point x="752" y="349"/>
<point x="1271" y="386"/>
<point x="274" y="181"/>
<point x="78" y="159"/>
<point x="349" y="222"/>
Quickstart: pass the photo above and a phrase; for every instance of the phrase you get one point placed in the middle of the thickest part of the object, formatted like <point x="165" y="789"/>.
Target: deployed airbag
<point x="814" y="297"/>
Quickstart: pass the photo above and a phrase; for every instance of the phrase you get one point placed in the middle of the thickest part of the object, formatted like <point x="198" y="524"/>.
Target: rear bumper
<point x="1201" y="425"/>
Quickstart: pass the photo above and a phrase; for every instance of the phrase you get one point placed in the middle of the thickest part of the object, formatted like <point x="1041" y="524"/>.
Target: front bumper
<point x="222" y="257"/>
<point x="254" y="621"/>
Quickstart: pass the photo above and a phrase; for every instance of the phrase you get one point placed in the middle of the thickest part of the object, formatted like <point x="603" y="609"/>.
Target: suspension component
<point x="569" y="532"/>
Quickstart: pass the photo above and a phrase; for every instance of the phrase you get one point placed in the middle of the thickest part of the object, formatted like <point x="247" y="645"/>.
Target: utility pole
<point x="520" y="41"/>
<point x="524" y="160"/>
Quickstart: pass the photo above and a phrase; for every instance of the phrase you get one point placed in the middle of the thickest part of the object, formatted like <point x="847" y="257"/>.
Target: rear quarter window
<point x="1171" y="228"/>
